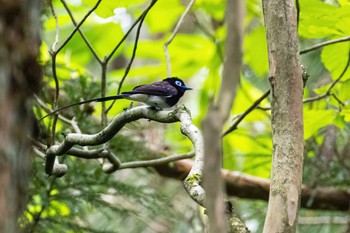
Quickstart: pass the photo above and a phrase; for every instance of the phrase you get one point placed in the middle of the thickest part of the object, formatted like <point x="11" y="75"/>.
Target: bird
<point x="157" y="95"/>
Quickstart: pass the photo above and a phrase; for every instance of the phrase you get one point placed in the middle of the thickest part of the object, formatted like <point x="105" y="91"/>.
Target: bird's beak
<point x="186" y="88"/>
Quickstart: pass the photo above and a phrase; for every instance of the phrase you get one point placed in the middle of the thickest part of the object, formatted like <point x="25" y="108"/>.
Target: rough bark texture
<point x="251" y="187"/>
<point x="19" y="77"/>
<point x="287" y="116"/>
<point x="217" y="116"/>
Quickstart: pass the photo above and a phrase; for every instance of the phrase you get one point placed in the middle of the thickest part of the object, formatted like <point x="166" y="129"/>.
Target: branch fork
<point x="180" y="114"/>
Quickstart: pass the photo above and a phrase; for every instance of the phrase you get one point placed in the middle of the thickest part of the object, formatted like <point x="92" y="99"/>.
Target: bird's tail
<point x="101" y="99"/>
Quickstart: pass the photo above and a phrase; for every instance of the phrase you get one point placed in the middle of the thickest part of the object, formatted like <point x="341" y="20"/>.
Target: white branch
<point x="192" y="181"/>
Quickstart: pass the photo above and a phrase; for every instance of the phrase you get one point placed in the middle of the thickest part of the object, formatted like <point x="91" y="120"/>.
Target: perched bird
<point x="158" y="95"/>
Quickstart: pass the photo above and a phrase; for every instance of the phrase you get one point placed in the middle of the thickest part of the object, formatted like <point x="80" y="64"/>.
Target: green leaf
<point x="344" y="2"/>
<point x="164" y="15"/>
<point x="343" y="91"/>
<point x="334" y="58"/>
<point x="60" y="207"/>
<point x="319" y="19"/>
<point x="346" y="113"/>
<point x="315" y="120"/>
<point x="255" y="48"/>
<point x="248" y="152"/>
<point x="214" y="8"/>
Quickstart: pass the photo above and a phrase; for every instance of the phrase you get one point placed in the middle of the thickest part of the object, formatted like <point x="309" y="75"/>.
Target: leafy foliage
<point x="87" y="200"/>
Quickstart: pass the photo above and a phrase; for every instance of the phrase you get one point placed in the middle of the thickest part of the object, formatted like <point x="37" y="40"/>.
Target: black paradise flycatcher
<point x="158" y="95"/>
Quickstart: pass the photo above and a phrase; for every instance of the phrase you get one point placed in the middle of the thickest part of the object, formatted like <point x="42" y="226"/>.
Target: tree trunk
<point x="217" y="115"/>
<point x="287" y="115"/>
<point x="19" y="78"/>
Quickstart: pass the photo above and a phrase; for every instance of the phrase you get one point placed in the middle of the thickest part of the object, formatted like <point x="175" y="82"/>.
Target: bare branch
<point x="330" y="42"/>
<point x="155" y="162"/>
<point x="245" y="113"/>
<point x="53" y="65"/>
<point x="54" y="44"/>
<point x="140" y="19"/>
<point x="256" y="103"/>
<point x="191" y="183"/>
<point x="81" y="32"/>
<point x="138" y="31"/>
<point x="77" y="27"/>
<point x="177" y="27"/>
<point x="242" y="185"/>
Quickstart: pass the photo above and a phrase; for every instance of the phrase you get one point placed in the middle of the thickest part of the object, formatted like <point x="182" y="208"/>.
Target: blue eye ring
<point x="178" y="83"/>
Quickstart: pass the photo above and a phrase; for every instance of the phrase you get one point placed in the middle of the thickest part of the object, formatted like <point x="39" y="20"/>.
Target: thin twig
<point x="103" y="92"/>
<point x="127" y="69"/>
<point x="342" y="73"/>
<point x="320" y="45"/>
<point x="211" y="36"/>
<point x="310" y="99"/>
<point x="78" y="26"/>
<point x="48" y="110"/>
<point x="81" y="32"/>
<point x="54" y="44"/>
<point x="54" y="53"/>
<point x="245" y="113"/>
<point x="328" y="92"/>
<point x="177" y="27"/>
<point x="128" y="32"/>
<point x="307" y="100"/>
<point x="54" y="74"/>
<point x="155" y="162"/>
<point x="72" y="122"/>
<point x="338" y="100"/>
<point x="137" y="36"/>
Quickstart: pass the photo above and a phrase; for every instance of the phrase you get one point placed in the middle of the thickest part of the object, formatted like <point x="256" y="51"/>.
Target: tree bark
<point x="19" y="78"/>
<point x="251" y="187"/>
<point x="287" y="115"/>
<point x="218" y="113"/>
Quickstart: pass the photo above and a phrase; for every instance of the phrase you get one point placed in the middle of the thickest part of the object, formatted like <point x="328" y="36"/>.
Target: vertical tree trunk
<point x="217" y="115"/>
<point x="287" y="115"/>
<point x="19" y="77"/>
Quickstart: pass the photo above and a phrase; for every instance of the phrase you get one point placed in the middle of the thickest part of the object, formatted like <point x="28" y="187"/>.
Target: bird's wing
<point x="157" y="88"/>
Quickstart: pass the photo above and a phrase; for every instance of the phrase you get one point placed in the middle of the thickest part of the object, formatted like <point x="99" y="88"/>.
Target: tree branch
<point x="155" y="162"/>
<point x="320" y="45"/>
<point x="140" y="21"/>
<point x="251" y="187"/>
<point x="180" y="114"/>
<point x="177" y="27"/>
<point x="54" y="53"/>
<point x="245" y="113"/>
<point x="81" y="33"/>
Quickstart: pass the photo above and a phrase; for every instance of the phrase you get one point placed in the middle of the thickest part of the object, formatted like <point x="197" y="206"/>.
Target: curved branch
<point x="192" y="182"/>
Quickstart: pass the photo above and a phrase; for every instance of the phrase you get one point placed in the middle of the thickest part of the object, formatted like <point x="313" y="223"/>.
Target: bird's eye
<point x="178" y="83"/>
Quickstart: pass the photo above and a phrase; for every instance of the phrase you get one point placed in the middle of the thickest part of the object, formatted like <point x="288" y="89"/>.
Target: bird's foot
<point x="130" y="106"/>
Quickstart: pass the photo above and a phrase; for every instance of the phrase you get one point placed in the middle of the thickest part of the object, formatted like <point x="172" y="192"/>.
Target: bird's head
<point x="177" y="83"/>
